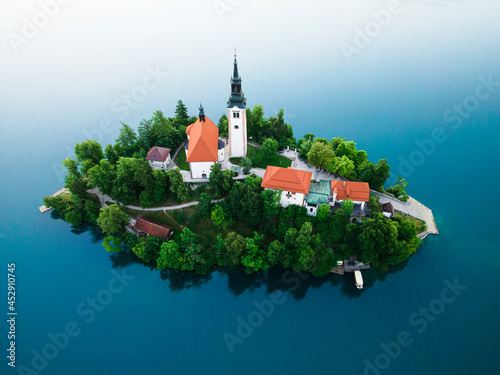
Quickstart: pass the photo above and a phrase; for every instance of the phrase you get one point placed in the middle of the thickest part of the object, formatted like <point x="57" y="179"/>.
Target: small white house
<point x="293" y="183"/>
<point x="158" y="157"/>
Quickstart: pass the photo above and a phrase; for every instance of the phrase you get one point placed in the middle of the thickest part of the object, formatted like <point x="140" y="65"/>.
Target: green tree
<point x="270" y="199"/>
<point x="74" y="179"/>
<point x="205" y="205"/>
<point x="132" y="176"/>
<point x="181" y="114"/>
<point x="127" y="140"/>
<point x="235" y="245"/>
<point x="343" y="166"/>
<point x="112" y="244"/>
<point x="170" y="256"/>
<point x="112" y="219"/>
<point x="220" y="217"/>
<point x="254" y="259"/>
<point x="276" y="252"/>
<point x="215" y="180"/>
<point x="148" y="248"/>
<point x="399" y="189"/>
<point x="103" y="176"/>
<point x="270" y="148"/>
<point x="320" y="154"/>
<point x="246" y="164"/>
<point x="177" y="185"/>
<point x="89" y="151"/>
<point x="375" y="175"/>
<point x="223" y="126"/>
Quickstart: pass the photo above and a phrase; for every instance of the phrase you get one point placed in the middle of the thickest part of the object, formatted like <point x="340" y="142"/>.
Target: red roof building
<point x="203" y="141"/>
<point x="158" y="154"/>
<point x="153" y="228"/>
<point x="287" y="179"/>
<point x="355" y="191"/>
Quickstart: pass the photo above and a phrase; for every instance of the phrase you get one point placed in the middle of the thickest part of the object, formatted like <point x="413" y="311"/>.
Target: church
<point x="204" y="147"/>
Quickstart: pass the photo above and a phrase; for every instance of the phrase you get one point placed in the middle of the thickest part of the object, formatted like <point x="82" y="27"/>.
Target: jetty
<point x="44" y="208"/>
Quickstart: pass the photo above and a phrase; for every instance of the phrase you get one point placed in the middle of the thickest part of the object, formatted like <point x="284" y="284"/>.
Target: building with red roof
<point x="204" y="148"/>
<point x="293" y="183"/>
<point x="158" y="157"/>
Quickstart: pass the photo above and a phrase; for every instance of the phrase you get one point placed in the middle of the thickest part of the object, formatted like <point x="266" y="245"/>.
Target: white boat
<point x="359" y="279"/>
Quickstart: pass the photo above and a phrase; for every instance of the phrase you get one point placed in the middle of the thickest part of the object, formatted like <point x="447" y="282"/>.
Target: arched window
<point x="236" y="127"/>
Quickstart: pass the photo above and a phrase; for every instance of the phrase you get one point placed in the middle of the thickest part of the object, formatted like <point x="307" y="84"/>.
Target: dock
<point x="44" y="208"/>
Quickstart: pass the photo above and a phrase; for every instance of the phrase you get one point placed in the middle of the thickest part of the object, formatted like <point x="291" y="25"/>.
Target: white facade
<point x="220" y="154"/>
<point x="288" y="198"/>
<point x="200" y="169"/>
<point x="160" y="164"/>
<point x="237" y="130"/>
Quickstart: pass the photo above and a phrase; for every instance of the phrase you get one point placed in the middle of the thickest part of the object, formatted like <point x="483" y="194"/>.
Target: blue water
<point x="394" y="93"/>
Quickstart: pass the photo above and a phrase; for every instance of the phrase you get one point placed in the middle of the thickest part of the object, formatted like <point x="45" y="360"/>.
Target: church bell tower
<point x="237" y="121"/>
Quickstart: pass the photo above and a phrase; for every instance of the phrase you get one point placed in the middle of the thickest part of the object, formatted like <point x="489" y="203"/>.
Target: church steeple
<point x="201" y="113"/>
<point x="237" y="98"/>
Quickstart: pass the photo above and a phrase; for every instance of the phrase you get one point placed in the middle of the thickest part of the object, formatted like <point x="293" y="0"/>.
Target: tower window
<point x="236" y="127"/>
<point x="236" y="115"/>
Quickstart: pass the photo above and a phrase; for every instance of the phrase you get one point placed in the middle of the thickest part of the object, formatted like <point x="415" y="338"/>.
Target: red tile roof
<point x="153" y="228"/>
<point x="158" y="153"/>
<point x="203" y="141"/>
<point x="356" y="191"/>
<point x="287" y="179"/>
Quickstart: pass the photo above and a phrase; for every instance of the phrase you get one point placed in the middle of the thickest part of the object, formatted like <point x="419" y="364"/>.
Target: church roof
<point x="356" y="191"/>
<point x="158" y="153"/>
<point x="203" y="141"/>
<point x="287" y="179"/>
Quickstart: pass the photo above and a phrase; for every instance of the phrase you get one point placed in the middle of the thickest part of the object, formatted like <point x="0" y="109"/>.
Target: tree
<point x="112" y="244"/>
<point x="377" y="236"/>
<point x="112" y="153"/>
<point x="276" y="252"/>
<point x="89" y="151"/>
<point x="246" y="164"/>
<point x="148" y="248"/>
<point x="343" y="166"/>
<point x="223" y="126"/>
<point x="220" y="217"/>
<point x="205" y="205"/>
<point x="244" y="202"/>
<point x="127" y="140"/>
<point x="235" y="245"/>
<point x="227" y="180"/>
<point x="399" y="189"/>
<point x="112" y="219"/>
<point x="270" y="198"/>
<point x="181" y="114"/>
<point x="145" y="138"/>
<point x="323" y="212"/>
<point x="270" y="148"/>
<point x="320" y="154"/>
<point x="325" y="262"/>
<point x="132" y="176"/>
<point x="170" y="256"/>
<point x="375" y="175"/>
<point x="177" y="185"/>
<point x="103" y="176"/>
<point x="254" y="258"/>
<point x="74" y="180"/>
<point x="162" y="131"/>
<point x="215" y="180"/>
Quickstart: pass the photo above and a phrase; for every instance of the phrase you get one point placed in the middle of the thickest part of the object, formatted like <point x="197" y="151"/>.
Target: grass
<point x="204" y="228"/>
<point x="181" y="162"/>
<point x="414" y="220"/>
<point x="259" y="159"/>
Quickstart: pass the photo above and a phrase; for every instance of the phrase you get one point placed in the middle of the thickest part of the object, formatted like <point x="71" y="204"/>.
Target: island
<point x="186" y="194"/>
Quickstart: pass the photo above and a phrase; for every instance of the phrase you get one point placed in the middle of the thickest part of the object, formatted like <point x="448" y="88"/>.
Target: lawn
<point x="414" y="220"/>
<point x="180" y="160"/>
<point x="259" y="159"/>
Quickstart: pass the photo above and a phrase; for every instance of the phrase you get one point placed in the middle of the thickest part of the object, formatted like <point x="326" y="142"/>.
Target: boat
<point x="359" y="279"/>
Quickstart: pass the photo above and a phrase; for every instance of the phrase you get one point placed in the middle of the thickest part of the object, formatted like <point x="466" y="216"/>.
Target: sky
<point x="71" y="73"/>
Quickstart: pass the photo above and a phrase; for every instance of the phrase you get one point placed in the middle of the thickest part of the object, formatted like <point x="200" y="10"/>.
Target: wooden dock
<point x="59" y="192"/>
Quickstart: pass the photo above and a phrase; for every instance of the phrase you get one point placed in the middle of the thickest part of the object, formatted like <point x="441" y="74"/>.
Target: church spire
<point x="237" y="98"/>
<point x="201" y="113"/>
